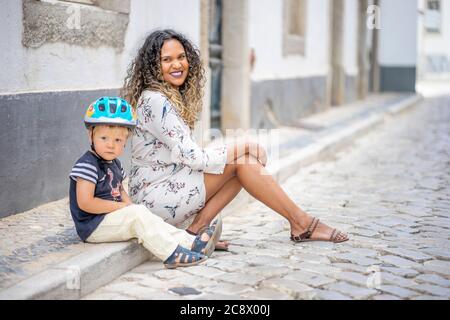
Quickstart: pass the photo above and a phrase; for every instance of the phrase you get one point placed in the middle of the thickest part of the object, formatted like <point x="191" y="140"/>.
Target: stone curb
<point x="82" y="274"/>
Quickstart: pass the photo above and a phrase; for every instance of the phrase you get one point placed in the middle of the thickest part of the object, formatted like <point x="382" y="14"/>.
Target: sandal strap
<point x="307" y="234"/>
<point x="334" y="235"/>
<point x="312" y="227"/>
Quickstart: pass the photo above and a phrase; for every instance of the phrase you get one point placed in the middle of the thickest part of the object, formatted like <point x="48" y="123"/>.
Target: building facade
<point x="434" y="40"/>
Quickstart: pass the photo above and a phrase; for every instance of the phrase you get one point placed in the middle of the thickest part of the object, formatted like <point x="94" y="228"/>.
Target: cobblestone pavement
<point x="35" y="240"/>
<point x="390" y="191"/>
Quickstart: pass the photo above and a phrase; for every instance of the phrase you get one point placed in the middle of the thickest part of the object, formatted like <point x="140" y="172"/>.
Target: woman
<point x="170" y="173"/>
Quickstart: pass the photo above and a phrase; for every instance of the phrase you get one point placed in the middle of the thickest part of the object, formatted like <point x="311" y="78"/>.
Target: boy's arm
<point x="87" y="202"/>
<point x="125" y="197"/>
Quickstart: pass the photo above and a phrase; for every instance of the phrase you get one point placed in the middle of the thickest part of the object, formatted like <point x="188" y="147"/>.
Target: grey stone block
<point x="351" y="290"/>
<point x="398" y="291"/>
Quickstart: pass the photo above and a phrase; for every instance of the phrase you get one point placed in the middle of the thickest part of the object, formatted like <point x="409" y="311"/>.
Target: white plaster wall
<point x="350" y="37"/>
<point x="59" y="66"/>
<point x="398" y="34"/>
<point x="148" y="15"/>
<point x="266" y="36"/>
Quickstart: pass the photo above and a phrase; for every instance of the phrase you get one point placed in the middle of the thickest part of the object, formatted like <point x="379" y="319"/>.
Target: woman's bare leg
<point x="216" y="203"/>
<point x="261" y="185"/>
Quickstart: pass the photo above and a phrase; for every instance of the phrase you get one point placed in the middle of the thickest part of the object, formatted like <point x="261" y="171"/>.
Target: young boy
<point x="101" y="208"/>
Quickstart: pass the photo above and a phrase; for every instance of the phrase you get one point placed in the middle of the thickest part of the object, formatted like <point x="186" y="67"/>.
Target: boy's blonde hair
<point x="128" y="130"/>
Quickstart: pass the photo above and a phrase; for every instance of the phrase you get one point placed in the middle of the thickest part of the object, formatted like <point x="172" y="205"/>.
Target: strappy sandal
<point x="306" y="236"/>
<point x="183" y="257"/>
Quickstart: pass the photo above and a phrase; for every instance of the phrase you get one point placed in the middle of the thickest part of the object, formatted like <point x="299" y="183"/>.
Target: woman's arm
<point x="87" y="202"/>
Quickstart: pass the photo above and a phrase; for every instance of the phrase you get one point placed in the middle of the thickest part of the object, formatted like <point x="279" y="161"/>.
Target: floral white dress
<point x="167" y="165"/>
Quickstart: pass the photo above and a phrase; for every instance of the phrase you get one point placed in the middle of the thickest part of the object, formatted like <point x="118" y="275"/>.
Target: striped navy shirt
<point x="107" y="177"/>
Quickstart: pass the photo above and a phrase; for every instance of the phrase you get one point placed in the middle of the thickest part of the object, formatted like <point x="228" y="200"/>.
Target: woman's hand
<point x="258" y="152"/>
<point x="238" y="150"/>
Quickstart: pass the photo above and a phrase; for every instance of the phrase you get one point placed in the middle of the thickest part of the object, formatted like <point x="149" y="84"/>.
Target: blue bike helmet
<point x="110" y="111"/>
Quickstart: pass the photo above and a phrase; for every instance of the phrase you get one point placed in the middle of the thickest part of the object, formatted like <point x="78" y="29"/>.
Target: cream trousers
<point x="136" y="221"/>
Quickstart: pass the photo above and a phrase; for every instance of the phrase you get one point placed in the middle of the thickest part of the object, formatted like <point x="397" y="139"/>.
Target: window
<point x="294" y="27"/>
<point x="432" y="20"/>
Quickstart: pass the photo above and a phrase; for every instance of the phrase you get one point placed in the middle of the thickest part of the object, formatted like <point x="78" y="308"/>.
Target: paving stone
<point x="351" y="290"/>
<point x="388" y="278"/>
<point x="216" y="296"/>
<point x="271" y="253"/>
<point x="267" y="294"/>
<point x="438" y="253"/>
<point x="409" y="254"/>
<point x="204" y="271"/>
<point x="309" y="257"/>
<point x="267" y="271"/>
<point x="437" y="266"/>
<point x="156" y="283"/>
<point x="148" y="268"/>
<point x="315" y="268"/>
<point x="192" y="281"/>
<point x="398" y="262"/>
<point x="185" y="291"/>
<point x="290" y="287"/>
<point x="308" y="278"/>
<point x="227" y="266"/>
<point x="364" y="252"/>
<point x="434" y="279"/>
<point x="228" y="289"/>
<point x="425" y="297"/>
<point x="354" y="258"/>
<point x="351" y="267"/>
<point x="107" y="296"/>
<point x="242" y="278"/>
<point x="169" y="274"/>
<point x="398" y="291"/>
<point x="329" y="295"/>
<point x="353" y="278"/>
<point x="385" y="297"/>
<point x="433" y="290"/>
<point x="401" y="272"/>
<point x="266" y="261"/>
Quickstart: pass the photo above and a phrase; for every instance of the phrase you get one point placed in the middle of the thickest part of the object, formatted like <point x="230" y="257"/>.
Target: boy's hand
<point x="124" y="204"/>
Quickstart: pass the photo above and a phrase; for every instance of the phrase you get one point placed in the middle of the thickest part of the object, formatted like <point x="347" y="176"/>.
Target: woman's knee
<point x="246" y="160"/>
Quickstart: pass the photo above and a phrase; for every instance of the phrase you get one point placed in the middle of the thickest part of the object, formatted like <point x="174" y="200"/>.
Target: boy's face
<point x="109" y="142"/>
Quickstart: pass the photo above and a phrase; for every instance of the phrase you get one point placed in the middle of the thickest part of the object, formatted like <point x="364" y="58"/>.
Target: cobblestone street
<point x="390" y="192"/>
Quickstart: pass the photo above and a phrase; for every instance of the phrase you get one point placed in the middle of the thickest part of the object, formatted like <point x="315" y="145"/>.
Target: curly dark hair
<point x="144" y="72"/>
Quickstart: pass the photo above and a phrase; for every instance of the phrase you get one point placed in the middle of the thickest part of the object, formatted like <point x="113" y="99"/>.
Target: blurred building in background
<point x="269" y="63"/>
<point x="434" y="40"/>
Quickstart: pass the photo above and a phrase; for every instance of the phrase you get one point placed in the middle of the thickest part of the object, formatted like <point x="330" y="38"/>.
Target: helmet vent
<point x="123" y="108"/>
<point x="112" y="107"/>
<point x="101" y="107"/>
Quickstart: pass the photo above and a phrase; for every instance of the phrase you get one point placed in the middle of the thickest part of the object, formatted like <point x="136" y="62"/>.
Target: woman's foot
<point x="317" y="231"/>
<point x="183" y="257"/>
<point x="205" y="242"/>
<point x="222" y="245"/>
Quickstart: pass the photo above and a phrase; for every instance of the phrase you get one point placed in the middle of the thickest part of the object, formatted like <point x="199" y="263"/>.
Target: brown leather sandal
<point x="306" y="236"/>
